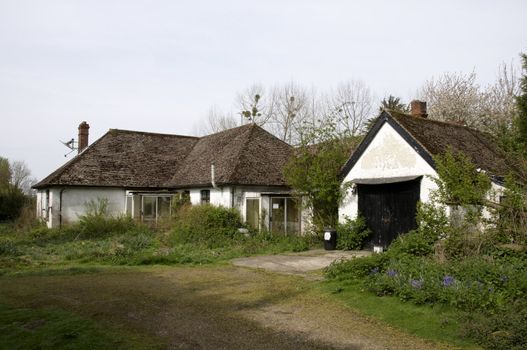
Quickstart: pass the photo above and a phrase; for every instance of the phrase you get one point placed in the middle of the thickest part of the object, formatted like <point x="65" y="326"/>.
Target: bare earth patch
<point x="224" y="307"/>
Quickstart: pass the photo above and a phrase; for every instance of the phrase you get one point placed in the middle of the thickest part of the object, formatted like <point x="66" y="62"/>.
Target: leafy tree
<point x="521" y="102"/>
<point x="393" y="103"/>
<point x="460" y="182"/>
<point x="5" y="173"/>
<point x="313" y="171"/>
<point x="12" y="198"/>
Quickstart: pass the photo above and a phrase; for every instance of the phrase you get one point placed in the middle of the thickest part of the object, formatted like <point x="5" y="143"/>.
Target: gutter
<point x="60" y="206"/>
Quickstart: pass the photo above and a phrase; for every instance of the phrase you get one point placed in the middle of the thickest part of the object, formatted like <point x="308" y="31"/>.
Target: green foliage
<point x="206" y="224"/>
<point x="506" y="330"/>
<point x="521" y="103"/>
<point x="393" y="103"/>
<point x="460" y="183"/>
<point x="512" y="213"/>
<point x="432" y="225"/>
<point x="357" y="268"/>
<point x="8" y="248"/>
<point x="97" y="223"/>
<point x="352" y="234"/>
<point x="12" y="200"/>
<point x="314" y="170"/>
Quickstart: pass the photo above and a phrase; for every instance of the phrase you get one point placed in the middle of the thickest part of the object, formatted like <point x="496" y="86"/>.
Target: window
<point x="205" y="196"/>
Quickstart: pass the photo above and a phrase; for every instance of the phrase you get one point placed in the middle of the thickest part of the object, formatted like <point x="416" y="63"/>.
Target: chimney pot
<point x="418" y="109"/>
<point x="83" y="136"/>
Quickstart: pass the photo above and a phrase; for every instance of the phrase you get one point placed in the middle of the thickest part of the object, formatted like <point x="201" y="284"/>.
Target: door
<point x="252" y="212"/>
<point x="389" y="209"/>
<point x="285" y="215"/>
<point x="278" y="215"/>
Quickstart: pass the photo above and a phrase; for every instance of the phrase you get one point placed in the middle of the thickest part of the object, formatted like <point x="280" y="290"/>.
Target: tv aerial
<point x="71" y="144"/>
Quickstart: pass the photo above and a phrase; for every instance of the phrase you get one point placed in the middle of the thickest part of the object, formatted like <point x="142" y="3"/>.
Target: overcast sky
<point x="159" y="65"/>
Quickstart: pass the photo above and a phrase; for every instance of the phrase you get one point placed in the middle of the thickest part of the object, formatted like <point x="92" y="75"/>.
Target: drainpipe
<point x="60" y="206"/>
<point x="212" y="175"/>
<point x="232" y="197"/>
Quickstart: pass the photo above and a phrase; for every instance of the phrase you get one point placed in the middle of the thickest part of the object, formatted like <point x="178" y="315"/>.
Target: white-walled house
<point x="392" y="169"/>
<point x="140" y="174"/>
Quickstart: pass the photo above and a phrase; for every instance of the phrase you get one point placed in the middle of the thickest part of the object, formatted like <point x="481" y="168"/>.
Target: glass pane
<point x="293" y="216"/>
<point x="252" y="212"/>
<point x="278" y="215"/>
<point x="164" y="207"/>
<point x="137" y="207"/>
<point x="129" y="206"/>
<point x="149" y="208"/>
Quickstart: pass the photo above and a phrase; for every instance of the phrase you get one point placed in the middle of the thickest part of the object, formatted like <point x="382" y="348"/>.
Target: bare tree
<point x="498" y="101"/>
<point x="291" y="107"/>
<point x="21" y="176"/>
<point x="255" y="96"/>
<point x="352" y="103"/>
<point x="215" y="121"/>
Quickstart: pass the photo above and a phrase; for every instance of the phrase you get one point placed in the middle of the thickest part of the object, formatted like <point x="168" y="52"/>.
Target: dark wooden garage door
<point x="389" y="209"/>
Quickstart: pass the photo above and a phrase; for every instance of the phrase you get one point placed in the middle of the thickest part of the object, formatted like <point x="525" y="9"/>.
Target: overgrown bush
<point x="352" y="234"/>
<point x="357" y="268"/>
<point x="12" y="200"/>
<point x="206" y="224"/>
<point x="97" y="223"/>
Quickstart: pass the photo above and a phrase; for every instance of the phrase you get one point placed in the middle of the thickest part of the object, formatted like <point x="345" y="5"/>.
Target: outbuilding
<point x="393" y="169"/>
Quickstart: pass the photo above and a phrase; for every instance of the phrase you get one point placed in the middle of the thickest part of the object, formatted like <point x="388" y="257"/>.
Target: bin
<point x="330" y="239"/>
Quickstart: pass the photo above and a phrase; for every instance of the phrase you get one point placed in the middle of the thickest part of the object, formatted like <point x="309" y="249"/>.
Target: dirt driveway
<point x="214" y="307"/>
<point x="300" y="263"/>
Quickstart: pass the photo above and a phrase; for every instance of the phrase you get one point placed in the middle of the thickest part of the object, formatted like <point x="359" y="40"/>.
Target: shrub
<point x="432" y="225"/>
<point x="206" y="224"/>
<point x="12" y="200"/>
<point x="503" y="330"/>
<point x="357" y="268"/>
<point x="352" y="234"/>
<point x="96" y="223"/>
<point x="9" y="248"/>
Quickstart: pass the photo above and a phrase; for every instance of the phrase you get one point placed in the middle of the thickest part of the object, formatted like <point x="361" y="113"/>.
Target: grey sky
<point x="159" y="65"/>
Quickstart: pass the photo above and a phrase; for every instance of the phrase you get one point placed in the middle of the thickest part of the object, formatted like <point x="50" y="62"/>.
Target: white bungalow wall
<point x="74" y="203"/>
<point x="388" y="155"/>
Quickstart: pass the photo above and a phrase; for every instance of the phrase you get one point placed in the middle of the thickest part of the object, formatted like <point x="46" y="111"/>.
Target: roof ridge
<point x="150" y="133"/>
<point x="411" y="133"/>
<point x="251" y="128"/>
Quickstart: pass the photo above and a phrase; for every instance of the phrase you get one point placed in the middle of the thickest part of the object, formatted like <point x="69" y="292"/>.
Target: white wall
<point x="218" y="196"/>
<point x="74" y="200"/>
<point x="387" y="156"/>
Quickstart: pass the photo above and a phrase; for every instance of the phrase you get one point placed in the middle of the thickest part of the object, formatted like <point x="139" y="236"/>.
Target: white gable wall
<point x="387" y="156"/>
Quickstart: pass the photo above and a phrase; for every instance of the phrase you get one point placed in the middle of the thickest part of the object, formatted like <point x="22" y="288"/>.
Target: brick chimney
<point x="83" y="136"/>
<point x="418" y="109"/>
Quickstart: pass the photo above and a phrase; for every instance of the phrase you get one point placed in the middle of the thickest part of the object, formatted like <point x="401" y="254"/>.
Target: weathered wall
<point x="387" y="156"/>
<point x="74" y="200"/>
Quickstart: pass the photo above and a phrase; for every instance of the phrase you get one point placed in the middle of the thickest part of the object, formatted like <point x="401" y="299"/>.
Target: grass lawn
<point x="213" y="307"/>
<point x="438" y="323"/>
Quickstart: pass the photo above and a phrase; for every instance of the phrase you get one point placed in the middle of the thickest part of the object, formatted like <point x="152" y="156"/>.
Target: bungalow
<point x="393" y="167"/>
<point x="141" y="173"/>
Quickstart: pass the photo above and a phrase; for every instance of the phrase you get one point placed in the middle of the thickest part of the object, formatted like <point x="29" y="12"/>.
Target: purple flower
<point x="374" y="271"/>
<point x="448" y="281"/>
<point x="417" y="284"/>
<point x="391" y="272"/>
